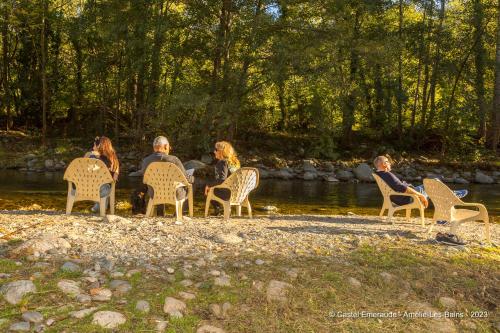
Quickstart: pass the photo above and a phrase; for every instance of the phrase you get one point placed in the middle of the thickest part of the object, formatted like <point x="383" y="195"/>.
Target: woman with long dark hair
<point x="103" y="150"/>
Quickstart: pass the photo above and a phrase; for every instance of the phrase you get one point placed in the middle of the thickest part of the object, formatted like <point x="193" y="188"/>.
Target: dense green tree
<point x="411" y="73"/>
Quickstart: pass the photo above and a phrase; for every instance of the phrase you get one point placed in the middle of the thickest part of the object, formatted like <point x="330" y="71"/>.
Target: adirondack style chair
<point x="165" y="178"/>
<point x="445" y="207"/>
<point x="85" y="177"/>
<point x="391" y="208"/>
<point x="240" y="183"/>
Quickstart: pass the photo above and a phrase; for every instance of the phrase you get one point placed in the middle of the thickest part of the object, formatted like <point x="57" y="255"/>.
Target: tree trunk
<point x="155" y="59"/>
<point x="283" y="123"/>
<point x="419" y="77"/>
<point x="479" y="61"/>
<point x="435" y="68"/>
<point x="425" y="98"/>
<point x="400" y="71"/>
<point x="43" y="50"/>
<point x="368" y="99"/>
<point x="379" y="97"/>
<point x="348" y="110"/>
<point x="5" y="77"/>
<point x="495" y="110"/>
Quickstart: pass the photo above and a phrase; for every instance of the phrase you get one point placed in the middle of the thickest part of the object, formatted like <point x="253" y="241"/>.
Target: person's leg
<point x="224" y="194"/>
<point x="420" y="189"/>
<point x="181" y="194"/>
<point x="104" y="191"/>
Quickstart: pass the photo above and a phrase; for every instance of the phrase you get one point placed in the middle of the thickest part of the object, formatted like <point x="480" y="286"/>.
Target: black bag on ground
<point x="138" y="200"/>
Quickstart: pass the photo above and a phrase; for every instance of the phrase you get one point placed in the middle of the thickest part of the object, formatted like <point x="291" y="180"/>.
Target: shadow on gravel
<point x="332" y="219"/>
<point x="346" y="231"/>
<point x="44" y="212"/>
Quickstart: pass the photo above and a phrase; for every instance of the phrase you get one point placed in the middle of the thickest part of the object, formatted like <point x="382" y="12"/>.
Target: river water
<point x="48" y="190"/>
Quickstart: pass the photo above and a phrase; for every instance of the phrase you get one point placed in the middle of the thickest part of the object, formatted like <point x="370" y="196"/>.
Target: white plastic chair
<point x="88" y="175"/>
<point x="165" y="178"/>
<point x="445" y="203"/>
<point x="240" y="183"/>
<point x="391" y="208"/>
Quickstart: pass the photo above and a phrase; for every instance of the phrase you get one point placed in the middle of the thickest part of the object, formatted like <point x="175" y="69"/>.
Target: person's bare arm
<point x="422" y="197"/>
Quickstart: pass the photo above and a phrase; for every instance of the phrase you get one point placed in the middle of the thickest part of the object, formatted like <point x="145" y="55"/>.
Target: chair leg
<point x="249" y="208"/>
<point x="69" y="203"/>
<point x="112" y="200"/>
<point x="408" y="215"/>
<point x="102" y="206"/>
<point x="382" y="211"/>
<point x="429" y="232"/>
<point x="207" y="203"/>
<point x="150" y="208"/>
<point x="190" y="201"/>
<point x="390" y="215"/>
<point x="227" y="210"/>
<point x="238" y="210"/>
<point x="454" y="227"/>
<point x="178" y="210"/>
<point x="422" y="216"/>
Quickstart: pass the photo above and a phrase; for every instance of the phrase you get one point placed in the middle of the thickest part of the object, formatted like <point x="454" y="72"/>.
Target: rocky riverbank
<point x="411" y="170"/>
<point x="279" y="273"/>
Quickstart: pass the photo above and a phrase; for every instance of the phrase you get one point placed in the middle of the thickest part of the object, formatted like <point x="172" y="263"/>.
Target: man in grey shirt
<point x="161" y="149"/>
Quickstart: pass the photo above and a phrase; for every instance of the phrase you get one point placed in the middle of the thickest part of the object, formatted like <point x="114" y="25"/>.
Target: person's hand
<point x="206" y="190"/>
<point x="424" y="200"/>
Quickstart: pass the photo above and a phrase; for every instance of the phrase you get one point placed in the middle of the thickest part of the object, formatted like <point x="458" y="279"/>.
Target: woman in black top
<point x="227" y="163"/>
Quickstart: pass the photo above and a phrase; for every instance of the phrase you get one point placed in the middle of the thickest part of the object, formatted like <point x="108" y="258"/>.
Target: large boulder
<point x="277" y="291"/>
<point x="42" y="245"/>
<point x="481" y="178"/>
<point x="345" y="175"/>
<point x="174" y="307"/>
<point x="108" y="319"/>
<point x="194" y="164"/>
<point x="263" y="173"/>
<point x="207" y="159"/>
<point x="283" y="174"/>
<point x="308" y="166"/>
<point x="13" y="292"/>
<point x="310" y="175"/>
<point x="69" y="287"/>
<point x="363" y="172"/>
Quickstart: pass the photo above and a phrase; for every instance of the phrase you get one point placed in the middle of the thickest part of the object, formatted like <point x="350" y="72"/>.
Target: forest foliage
<point x="417" y="74"/>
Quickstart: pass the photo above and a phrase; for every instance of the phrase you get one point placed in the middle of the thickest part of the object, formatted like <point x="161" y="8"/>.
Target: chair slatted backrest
<point x="88" y="175"/>
<point x="383" y="187"/>
<point x="164" y="178"/>
<point x="442" y="197"/>
<point x="241" y="183"/>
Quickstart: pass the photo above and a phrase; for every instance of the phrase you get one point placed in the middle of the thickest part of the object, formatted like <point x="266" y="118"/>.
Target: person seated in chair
<point x="161" y="152"/>
<point x="383" y="166"/>
<point x="227" y="163"/>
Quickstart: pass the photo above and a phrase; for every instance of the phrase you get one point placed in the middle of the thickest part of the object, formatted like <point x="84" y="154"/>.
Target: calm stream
<point x="48" y="190"/>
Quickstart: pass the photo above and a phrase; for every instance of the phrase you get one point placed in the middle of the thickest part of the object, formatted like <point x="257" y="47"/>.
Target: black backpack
<point x="138" y="200"/>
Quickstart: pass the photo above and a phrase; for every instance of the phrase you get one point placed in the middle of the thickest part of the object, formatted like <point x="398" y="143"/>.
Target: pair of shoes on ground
<point x="449" y="239"/>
